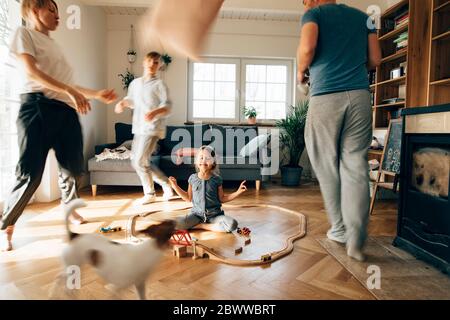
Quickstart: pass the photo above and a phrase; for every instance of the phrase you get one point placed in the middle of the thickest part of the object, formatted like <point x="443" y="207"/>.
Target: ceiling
<point x="225" y="13"/>
<point x="124" y="11"/>
<point x="268" y="10"/>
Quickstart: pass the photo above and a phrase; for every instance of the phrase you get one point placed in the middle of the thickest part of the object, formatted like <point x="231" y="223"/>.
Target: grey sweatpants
<point x="142" y="148"/>
<point x="338" y="134"/>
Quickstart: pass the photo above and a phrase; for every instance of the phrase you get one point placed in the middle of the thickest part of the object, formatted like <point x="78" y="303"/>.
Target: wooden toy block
<point x="179" y="251"/>
<point x="238" y="250"/>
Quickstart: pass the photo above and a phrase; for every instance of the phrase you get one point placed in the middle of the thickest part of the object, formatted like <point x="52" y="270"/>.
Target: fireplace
<point x="424" y="209"/>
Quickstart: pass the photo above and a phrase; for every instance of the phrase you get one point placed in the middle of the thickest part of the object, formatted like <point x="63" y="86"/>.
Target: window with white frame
<point x="267" y="89"/>
<point x="9" y="102"/>
<point x="219" y="88"/>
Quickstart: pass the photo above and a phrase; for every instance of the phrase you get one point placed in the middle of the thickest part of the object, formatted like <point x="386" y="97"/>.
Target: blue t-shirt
<point x="342" y="49"/>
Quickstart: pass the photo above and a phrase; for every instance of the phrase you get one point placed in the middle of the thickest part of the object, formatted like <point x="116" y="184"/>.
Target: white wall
<point x="228" y="38"/>
<point x="85" y="50"/>
<point x="240" y="38"/>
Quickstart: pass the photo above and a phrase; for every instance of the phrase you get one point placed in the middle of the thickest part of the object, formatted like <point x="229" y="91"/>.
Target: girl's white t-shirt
<point x="49" y="57"/>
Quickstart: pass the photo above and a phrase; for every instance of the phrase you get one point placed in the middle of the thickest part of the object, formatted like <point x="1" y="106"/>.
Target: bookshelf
<point x="439" y="74"/>
<point x="399" y="80"/>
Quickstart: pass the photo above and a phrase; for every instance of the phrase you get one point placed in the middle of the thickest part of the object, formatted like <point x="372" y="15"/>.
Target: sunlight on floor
<point x="36" y="250"/>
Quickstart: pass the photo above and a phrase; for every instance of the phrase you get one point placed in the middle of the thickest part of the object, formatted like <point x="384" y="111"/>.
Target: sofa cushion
<point x="113" y="165"/>
<point x="188" y="136"/>
<point x="123" y="132"/>
<point x="251" y="149"/>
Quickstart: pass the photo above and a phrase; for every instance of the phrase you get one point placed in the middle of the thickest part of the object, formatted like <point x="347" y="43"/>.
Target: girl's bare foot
<point x="77" y="219"/>
<point x="6" y="239"/>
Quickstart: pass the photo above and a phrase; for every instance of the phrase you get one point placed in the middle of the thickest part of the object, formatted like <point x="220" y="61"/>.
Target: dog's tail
<point x="68" y="209"/>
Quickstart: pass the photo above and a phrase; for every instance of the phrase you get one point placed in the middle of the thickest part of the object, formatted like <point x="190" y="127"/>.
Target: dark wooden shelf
<point x="391" y="105"/>
<point x="392" y="81"/>
<point x="443" y="82"/>
<point x="392" y="10"/>
<point x="394" y="32"/>
<point x="442" y="36"/>
<point x="397" y="55"/>
<point x="442" y="6"/>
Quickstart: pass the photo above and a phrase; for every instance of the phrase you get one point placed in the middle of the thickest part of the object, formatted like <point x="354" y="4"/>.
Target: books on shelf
<point x="402" y="44"/>
<point x="401" y="41"/>
<point x="401" y="20"/>
<point x="401" y="24"/>
<point x="393" y="100"/>
<point x="401" y="37"/>
<point x="397" y="20"/>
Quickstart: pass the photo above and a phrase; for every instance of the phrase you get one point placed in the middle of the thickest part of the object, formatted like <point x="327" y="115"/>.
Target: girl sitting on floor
<point x="206" y="194"/>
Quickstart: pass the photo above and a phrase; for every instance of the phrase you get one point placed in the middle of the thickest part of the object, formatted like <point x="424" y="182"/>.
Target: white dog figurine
<point x="121" y="265"/>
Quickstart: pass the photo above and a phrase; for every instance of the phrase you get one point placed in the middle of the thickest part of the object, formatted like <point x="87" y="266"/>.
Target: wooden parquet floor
<point x="309" y="272"/>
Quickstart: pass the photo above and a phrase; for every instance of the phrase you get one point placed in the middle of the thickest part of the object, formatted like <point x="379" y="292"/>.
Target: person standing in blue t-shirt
<point x="338" y="45"/>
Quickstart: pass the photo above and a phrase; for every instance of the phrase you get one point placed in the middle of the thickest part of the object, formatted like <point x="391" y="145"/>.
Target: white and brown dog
<point x="121" y="265"/>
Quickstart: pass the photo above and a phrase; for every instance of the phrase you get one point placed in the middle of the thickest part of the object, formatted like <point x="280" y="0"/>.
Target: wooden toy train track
<point x="202" y="251"/>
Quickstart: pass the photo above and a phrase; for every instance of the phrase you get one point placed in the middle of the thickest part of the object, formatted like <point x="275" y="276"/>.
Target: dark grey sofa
<point x="226" y="140"/>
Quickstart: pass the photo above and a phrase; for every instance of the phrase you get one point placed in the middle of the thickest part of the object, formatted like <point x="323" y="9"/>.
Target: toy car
<point x="109" y="229"/>
<point x="244" y="231"/>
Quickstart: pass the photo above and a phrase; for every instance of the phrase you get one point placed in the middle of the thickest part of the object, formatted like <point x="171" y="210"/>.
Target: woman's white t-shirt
<point x="49" y="58"/>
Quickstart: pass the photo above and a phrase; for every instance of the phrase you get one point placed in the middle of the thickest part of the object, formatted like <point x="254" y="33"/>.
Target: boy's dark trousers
<point x="44" y="124"/>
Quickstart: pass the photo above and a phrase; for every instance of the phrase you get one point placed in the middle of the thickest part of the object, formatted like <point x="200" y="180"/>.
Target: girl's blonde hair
<point x="29" y="5"/>
<point x="212" y="152"/>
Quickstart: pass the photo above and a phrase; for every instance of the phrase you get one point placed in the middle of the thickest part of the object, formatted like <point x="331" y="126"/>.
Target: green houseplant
<point x="250" y="113"/>
<point x="126" y="78"/>
<point x="292" y="139"/>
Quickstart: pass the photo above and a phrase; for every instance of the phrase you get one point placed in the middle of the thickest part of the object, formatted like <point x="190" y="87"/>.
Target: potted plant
<point x="292" y="139"/>
<point x="166" y="59"/>
<point x="126" y="77"/>
<point x="131" y="54"/>
<point x="250" y="113"/>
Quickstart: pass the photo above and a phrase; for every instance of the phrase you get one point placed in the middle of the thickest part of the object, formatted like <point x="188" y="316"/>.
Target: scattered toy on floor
<point x="110" y="229"/>
<point x="179" y="251"/>
<point x="181" y="237"/>
<point x="244" y="231"/>
<point x="266" y="257"/>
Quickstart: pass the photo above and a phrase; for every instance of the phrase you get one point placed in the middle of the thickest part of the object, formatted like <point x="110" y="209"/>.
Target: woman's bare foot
<point x="75" y="218"/>
<point x="6" y="239"/>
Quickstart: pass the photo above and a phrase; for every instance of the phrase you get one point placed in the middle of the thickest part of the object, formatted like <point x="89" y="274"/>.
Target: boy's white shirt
<point x="145" y="95"/>
<point x="49" y="58"/>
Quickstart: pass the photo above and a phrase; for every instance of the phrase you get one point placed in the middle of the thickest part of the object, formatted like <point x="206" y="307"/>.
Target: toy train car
<point x="266" y="257"/>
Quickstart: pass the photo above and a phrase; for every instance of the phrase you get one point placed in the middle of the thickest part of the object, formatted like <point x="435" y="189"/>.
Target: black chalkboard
<point x="392" y="150"/>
